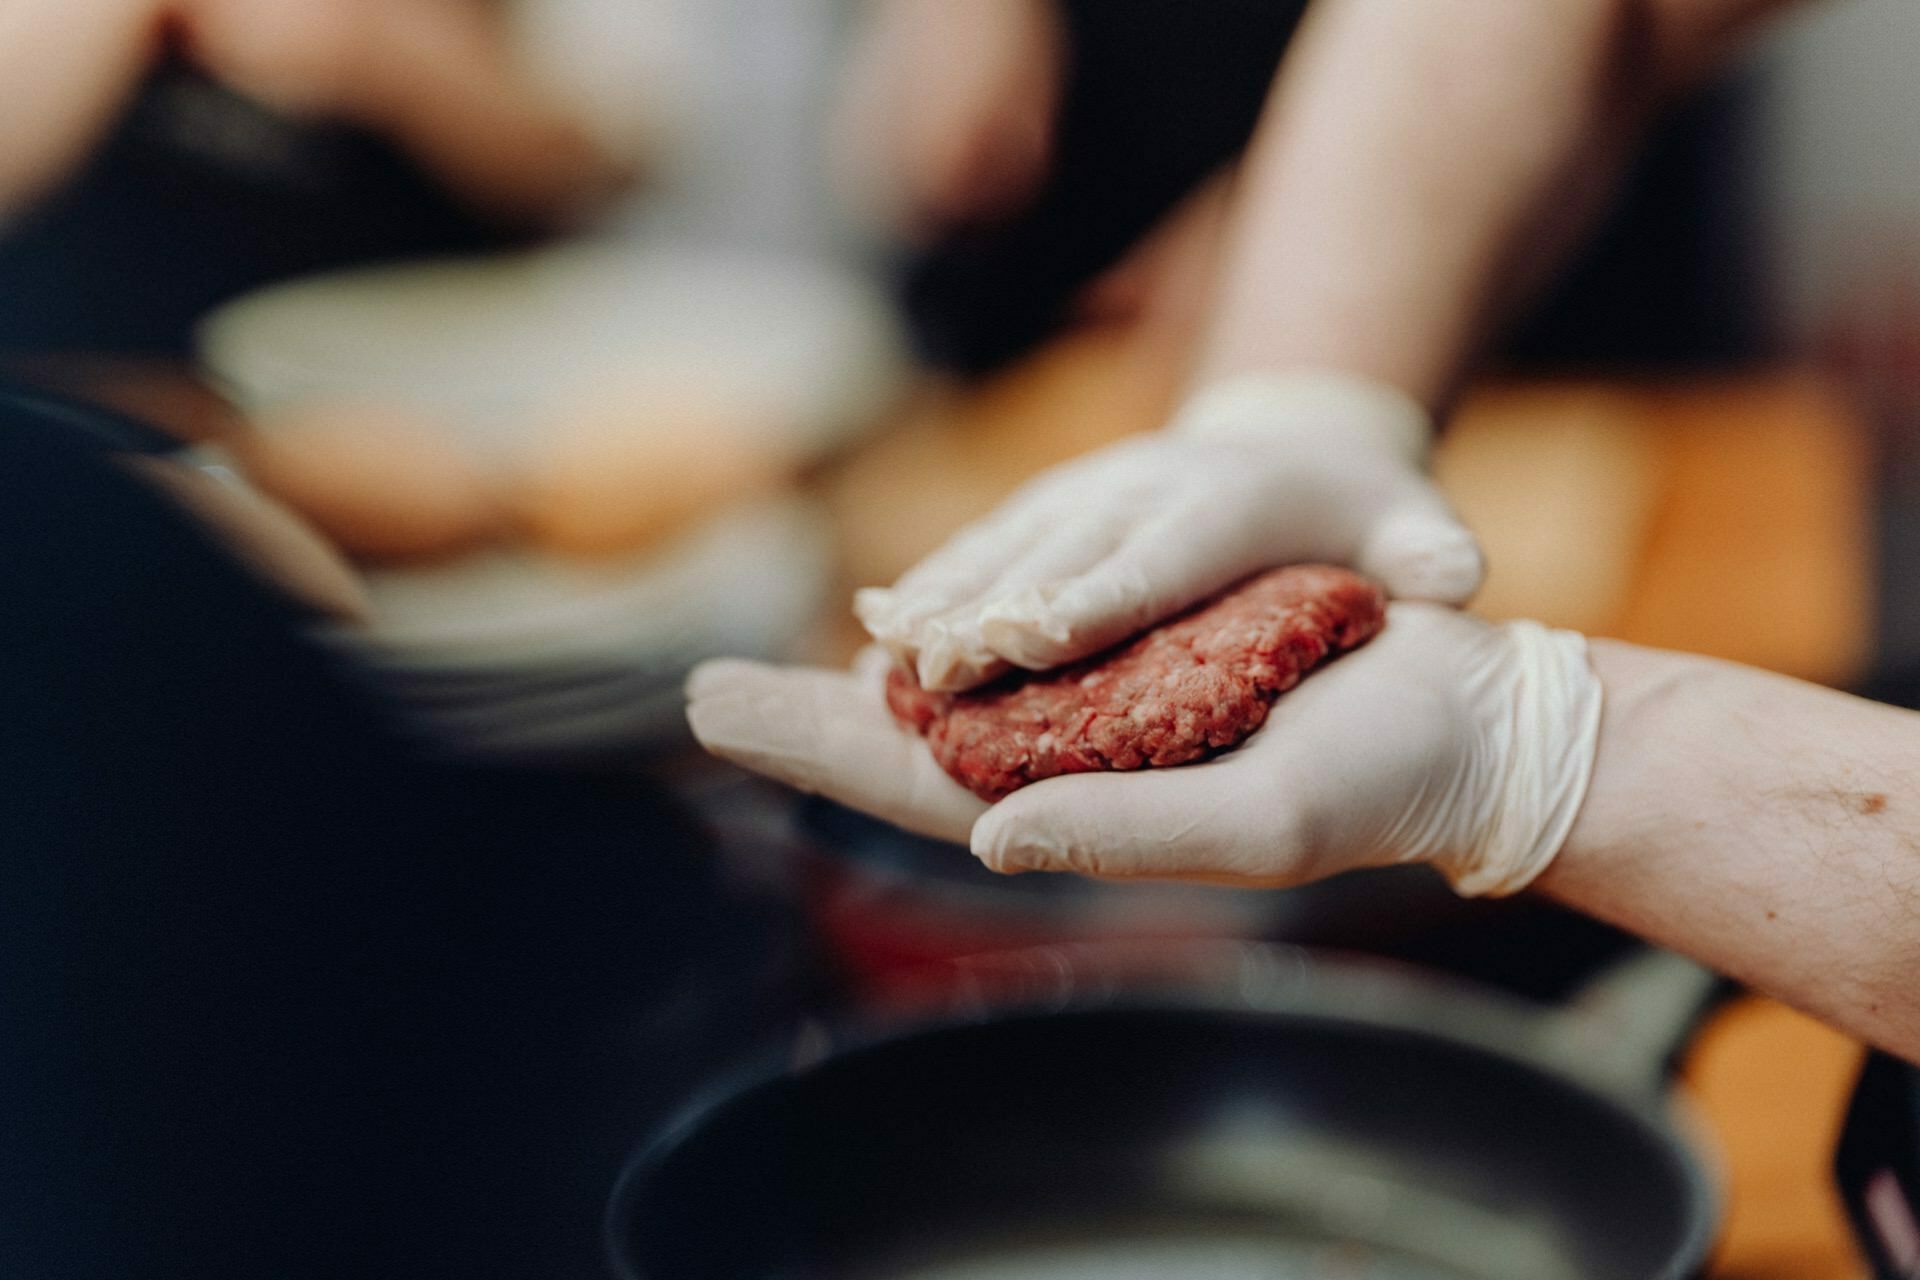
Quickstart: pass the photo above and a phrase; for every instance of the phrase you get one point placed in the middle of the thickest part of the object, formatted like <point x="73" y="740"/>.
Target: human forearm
<point x="65" y="72"/>
<point x="1420" y="167"/>
<point x="1767" y="827"/>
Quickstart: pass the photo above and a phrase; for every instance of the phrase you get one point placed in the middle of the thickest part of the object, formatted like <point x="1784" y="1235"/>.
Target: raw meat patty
<point x="1191" y="687"/>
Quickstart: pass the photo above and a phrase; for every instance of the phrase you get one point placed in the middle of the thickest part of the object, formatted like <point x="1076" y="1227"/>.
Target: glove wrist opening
<point x="1547" y="747"/>
<point x="1309" y="405"/>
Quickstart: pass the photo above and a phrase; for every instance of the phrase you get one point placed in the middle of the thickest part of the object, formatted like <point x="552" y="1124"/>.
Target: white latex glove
<point x="1446" y="740"/>
<point x="1253" y="473"/>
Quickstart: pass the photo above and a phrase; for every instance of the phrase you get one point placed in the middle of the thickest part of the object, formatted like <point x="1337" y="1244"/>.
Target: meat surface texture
<point x="1188" y="689"/>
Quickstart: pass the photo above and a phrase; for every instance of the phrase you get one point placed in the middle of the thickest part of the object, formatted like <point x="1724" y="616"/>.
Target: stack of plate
<point x="521" y="654"/>
<point x="514" y="656"/>
<point x="492" y="345"/>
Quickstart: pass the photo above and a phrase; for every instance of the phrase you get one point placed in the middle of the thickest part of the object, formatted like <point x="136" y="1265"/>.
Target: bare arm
<point x="1420" y="166"/>
<point x="1767" y="827"/>
<point x="65" y="73"/>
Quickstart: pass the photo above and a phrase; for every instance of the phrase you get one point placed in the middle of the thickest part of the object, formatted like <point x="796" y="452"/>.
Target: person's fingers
<point x="929" y="619"/>
<point x="1068" y="549"/>
<point x="1057" y="524"/>
<point x="953" y="657"/>
<point x="1416" y="548"/>
<point x="954" y="651"/>
<point x="870" y="667"/>
<point x="1419" y="550"/>
<point x="1160" y="568"/>
<point x="1188" y="823"/>
<point x="957" y="571"/>
<point x="827" y="732"/>
<point x="1300" y="798"/>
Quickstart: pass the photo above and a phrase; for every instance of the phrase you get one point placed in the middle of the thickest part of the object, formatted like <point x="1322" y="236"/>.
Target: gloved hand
<point x="1446" y="740"/>
<point x="1255" y="472"/>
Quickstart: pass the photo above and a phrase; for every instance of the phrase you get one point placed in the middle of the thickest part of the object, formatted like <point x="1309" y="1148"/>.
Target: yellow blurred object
<point x="613" y="471"/>
<point x="1773" y="1085"/>
<point x="1727" y="517"/>
<point x="619" y="471"/>
<point x="1762" y="549"/>
<point x="1560" y="482"/>
<point x="383" y="483"/>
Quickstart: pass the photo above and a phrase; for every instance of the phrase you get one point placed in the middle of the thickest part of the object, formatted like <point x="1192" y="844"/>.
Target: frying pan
<point x="1246" y="1111"/>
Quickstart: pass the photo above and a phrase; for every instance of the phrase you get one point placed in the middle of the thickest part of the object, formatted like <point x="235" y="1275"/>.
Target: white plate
<point x="494" y="345"/>
<point x="515" y="655"/>
<point x="516" y="652"/>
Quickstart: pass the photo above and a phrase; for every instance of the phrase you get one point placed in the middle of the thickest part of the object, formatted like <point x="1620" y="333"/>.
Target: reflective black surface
<point x="277" y="996"/>
<point x="1399" y="1143"/>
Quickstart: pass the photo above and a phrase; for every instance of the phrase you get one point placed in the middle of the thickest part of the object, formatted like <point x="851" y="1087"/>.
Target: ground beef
<point x="1188" y="689"/>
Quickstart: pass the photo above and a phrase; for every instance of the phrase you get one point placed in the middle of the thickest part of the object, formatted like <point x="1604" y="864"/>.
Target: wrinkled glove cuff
<point x="1551" y="739"/>
<point x="1309" y="406"/>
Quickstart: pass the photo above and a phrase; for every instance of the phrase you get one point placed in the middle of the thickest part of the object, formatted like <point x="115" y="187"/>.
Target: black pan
<point x="1269" y="1114"/>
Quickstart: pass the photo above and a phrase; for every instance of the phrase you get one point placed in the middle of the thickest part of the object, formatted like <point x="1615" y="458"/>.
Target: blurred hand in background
<point x="442" y="78"/>
<point x="948" y="117"/>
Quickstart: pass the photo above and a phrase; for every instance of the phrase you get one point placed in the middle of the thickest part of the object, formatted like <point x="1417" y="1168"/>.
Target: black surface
<point x="57" y="416"/>
<point x="278" y="998"/>
<point x="1879" y="1154"/>
<point x="198" y="195"/>
<point x="1047" y="1121"/>
<point x="1671" y="279"/>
